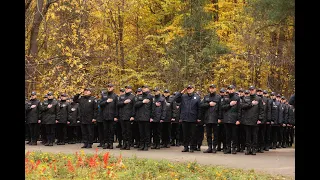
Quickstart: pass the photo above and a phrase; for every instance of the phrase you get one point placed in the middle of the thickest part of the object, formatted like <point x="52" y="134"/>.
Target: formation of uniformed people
<point x="232" y="121"/>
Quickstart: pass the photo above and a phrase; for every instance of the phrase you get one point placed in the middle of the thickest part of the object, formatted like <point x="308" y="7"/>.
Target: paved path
<point x="279" y="161"/>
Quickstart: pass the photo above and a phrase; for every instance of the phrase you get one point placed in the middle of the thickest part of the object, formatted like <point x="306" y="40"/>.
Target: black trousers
<point x="275" y="134"/>
<point x="34" y="131"/>
<point x="231" y="134"/>
<point x="268" y="139"/>
<point x="280" y="135"/>
<point x="101" y="132"/>
<point x="221" y="135"/>
<point x="135" y="132"/>
<point x="261" y="136"/>
<point x="144" y="128"/>
<point x="199" y="134"/>
<point x="50" y="132"/>
<point x="165" y="132"/>
<point x="118" y="131"/>
<point x="212" y="128"/>
<point x="285" y="135"/>
<point x="181" y="132"/>
<point x="71" y="133"/>
<point x="95" y="132"/>
<point x="291" y="135"/>
<point x="87" y="133"/>
<point x="61" y="131"/>
<point x="79" y="133"/>
<point x="108" y="127"/>
<point x="27" y="132"/>
<point x="241" y="136"/>
<point x="155" y="132"/>
<point x="43" y="133"/>
<point x="175" y="132"/>
<point x="189" y="134"/>
<point x="252" y="136"/>
<point x="126" y="130"/>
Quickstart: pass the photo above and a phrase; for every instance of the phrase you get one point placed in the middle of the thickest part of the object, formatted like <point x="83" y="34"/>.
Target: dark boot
<point x="198" y="148"/>
<point x="177" y="142"/>
<point x="238" y="149"/>
<point x="47" y="143"/>
<point x="157" y="146"/>
<point x="100" y="145"/>
<point x="247" y="151"/>
<point x="242" y="148"/>
<point x="141" y="147"/>
<point x="28" y="142"/>
<point x="228" y="150"/>
<point x="128" y="146"/>
<point x="137" y="145"/>
<point x="153" y="146"/>
<point x="278" y="145"/>
<point x="51" y="144"/>
<point x="254" y="151"/>
<point x="124" y="147"/>
<point x="284" y="145"/>
<point x="233" y="150"/>
<point x="192" y="149"/>
<point x="146" y="147"/>
<point x="106" y="146"/>
<point x="110" y="146"/>
<point x="119" y="145"/>
<point x="85" y="146"/>
<point x="219" y="147"/>
<point x="185" y="149"/>
<point x="172" y="143"/>
<point x="214" y="150"/>
<point x="167" y="145"/>
<point x="89" y="146"/>
<point x="209" y="150"/>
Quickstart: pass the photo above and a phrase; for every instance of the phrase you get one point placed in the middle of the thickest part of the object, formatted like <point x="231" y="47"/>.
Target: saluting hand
<point x="145" y="101"/>
<point x="109" y="100"/>
<point x="212" y="103"/>
<point x="184" y="90"/>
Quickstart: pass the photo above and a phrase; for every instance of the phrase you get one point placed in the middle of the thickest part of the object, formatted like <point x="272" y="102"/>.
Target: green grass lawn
<point x="79" y="165"/>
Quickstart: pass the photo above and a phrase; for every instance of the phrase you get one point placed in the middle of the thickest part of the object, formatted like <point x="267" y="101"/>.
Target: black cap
<point x="63" y="95"/>
<point x="222" y="90"/>
<point x="212" y="86"/>
<point x="128" y="87"/>
<point x="45" y="96"/>
<point x="273" y="93"/>
<point x="88" y="89"/>
<point x="265" y="92"/>
<point x="189" y="86"/>
<point x="278" y="95"/>
<point x="246" y="91"/>
<point x="259" y="89"/>
<point x="109" y="85"/>
<point x="156" y="89"/>
<point x="33" y="93"/>
<point x="50" y="93"/>
<point x="145" y="86"/>
<point x="282" y="97"/>
<point x="139" y="90"/>
<point x="122" y="90"/>
<point x="240" y="90"/>
<point x="252" y="88"/>
<point x="231" y="87"/>
<point x="166" y="91"/>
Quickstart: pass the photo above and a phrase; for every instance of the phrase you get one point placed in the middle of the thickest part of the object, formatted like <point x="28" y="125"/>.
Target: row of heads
<point x="222" y="90"/>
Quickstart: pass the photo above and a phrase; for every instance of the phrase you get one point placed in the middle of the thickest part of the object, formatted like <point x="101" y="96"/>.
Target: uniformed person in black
<point x="231" y="119"/>
<point x="252" y="115"/>
<point x="33" y="118"/>
<point x="118" y="131"/>
<point x="61" y="126"/>
<point x="50" y="114"/>
<point x="88" y="115"/>
<point x="176" y="127"/>
<point x="135" y="125"/>
<point x="211" y="109"/>
<point x="291" y="121"/>
<point x="143" y="108"/>
<point x="241" y="130"/>
<point x="166" y="124"/>
<point x="221" y="129"/>
<point x="274" y="119"/>
<point x="26" y="125"/>
<point x="43" y="135"/>
<point x="99" y="122"/>
<point x="262" y="125"/>
<point x="278" y="133"/>
<point x="158" y="114"/>
<point x="126" y="116"/>
<point x="109" y="112"/>
<point x="267" y="114"/>
<point x="73" y="122"/>
<point x="190" y="115"/>
<point x="283" y="120"/>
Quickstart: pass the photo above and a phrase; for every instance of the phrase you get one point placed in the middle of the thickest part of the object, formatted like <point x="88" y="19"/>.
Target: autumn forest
<point x="71" y="44"/>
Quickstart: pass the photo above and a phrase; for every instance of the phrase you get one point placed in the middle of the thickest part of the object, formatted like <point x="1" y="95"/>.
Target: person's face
<point x="222" y="93"/>
<point x="156" y="92"/>
<point x="33" y="96"/>
<point x="246" y="94"/>
<point x="278" y="98"/>
<point x="145" y="89"/>
<point x="166" y="94"/>
<point x="252" y="91"/>
<point x="139" y="92"/>
<point x="273" y="97"/>
<point x="45" y="99"/>
<point x="265" y="95"/>
<point x="259" y="92"/>
<point x="50" y="97"/>
<point x="212" y="89"/>
<point x="128" y="90"/>
<point x="121" y="92"/>
<point x="283" y="100"/>
<point x="190" y="90"/>
<point x="230" y="91"/>
<point x="63" y="98"/>
<point x="241" y="94"/>
<point x="110" y="89"/>
<point x="86" y="92"/>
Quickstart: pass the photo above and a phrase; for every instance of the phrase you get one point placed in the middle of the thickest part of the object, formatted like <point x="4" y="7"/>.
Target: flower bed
<point x="79" y="165"/>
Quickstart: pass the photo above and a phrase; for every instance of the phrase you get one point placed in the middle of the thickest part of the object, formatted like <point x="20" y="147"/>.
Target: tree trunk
<point x="120" y="19"/>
